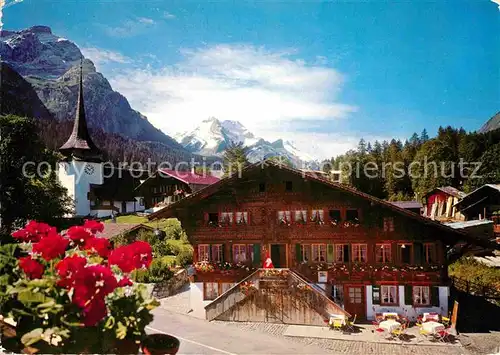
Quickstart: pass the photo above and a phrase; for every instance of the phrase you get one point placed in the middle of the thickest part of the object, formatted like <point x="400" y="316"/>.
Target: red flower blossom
<point x="143" y="254"/>
<point x="68" y="268"/>
<point x="122" y="257"/>
<point x="34" y="232"/>
<point x="94" y="312"/>
<point x="100" y="246"/>
<point x="133" y="256"/>
<point x="94" y="226"/>
<point x="79" y="234"/>
<point x="125" y="282"/>
<point x="32" y="268"/>
<point x="93" y="283"/>
<point x="51" y="246"/>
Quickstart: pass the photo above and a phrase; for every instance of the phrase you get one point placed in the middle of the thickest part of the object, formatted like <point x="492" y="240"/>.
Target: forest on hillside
<point x="398" y="170"/>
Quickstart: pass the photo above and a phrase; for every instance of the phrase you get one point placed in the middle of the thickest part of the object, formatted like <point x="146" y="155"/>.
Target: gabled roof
<point x="114" y="229"/>
<point x="449" y="190"/>
<point x="495" y="187"/>
<point x="188" y="177"/>
<point x="212" y="189"/>
<point x="407" y="204"/>
<point x="79" y="144"/>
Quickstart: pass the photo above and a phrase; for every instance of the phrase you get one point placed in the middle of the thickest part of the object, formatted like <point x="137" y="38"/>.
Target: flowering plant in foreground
<point x="74" y="293"/>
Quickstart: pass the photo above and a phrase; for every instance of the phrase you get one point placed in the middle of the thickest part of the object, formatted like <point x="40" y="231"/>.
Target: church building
<point x="97" y="189"/>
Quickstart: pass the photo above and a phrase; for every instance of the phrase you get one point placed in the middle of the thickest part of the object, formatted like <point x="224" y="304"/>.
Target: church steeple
<point x="79" y="145"/>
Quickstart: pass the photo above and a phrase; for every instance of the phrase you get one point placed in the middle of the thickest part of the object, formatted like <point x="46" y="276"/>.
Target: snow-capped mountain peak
<point x="212" y="136"/>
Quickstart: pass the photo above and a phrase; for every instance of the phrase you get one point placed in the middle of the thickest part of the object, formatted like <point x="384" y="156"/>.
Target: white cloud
<point x="103" y="56"/>
<point x="167" y="15"/>
<point x="3" y="5"/>
<point x="264" y="90"/>
<point x="129" y="27"/>
<point x="146" y="20"/>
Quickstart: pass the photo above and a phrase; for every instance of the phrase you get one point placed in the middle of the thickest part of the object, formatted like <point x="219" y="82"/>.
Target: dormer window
<point x="335" y="217"/>
<point x="288" y="186"/>
<point x="262" y="187"/>
<point x="226" y="218"/>
<point x="213" y="219"/>
<point x="352" y="216"/>
<point x="241" y="217"/>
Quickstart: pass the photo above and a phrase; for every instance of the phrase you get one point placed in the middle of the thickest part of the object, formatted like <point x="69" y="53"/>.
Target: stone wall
<point x="171" y="286"/>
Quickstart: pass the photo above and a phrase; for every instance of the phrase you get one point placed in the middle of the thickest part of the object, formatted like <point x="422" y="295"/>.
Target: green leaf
<point x="121" y="330"/>
<point x="27" y="296"/>
<point x="110" y="322"/>
<point x="32" y="337"/>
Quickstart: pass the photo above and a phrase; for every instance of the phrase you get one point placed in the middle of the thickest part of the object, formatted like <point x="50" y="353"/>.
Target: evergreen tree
<point x="424" y="137"/>
<point x="235" y="158"/>
<point x="26" y="193"/>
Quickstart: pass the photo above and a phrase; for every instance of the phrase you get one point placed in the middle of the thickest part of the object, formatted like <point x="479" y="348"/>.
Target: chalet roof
<point x="189" y="177"/>
<point x="114" y="229"/>
<point x="212" y="189"/>
<point x="79" y="145"/>
<point x="472" y="195"/>
<point x="449" y="190"/>
<point x="468" y="224"/>
<point x="407" y="204"/>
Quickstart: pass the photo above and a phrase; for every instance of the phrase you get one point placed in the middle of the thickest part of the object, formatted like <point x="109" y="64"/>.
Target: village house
<point x="439" y="204"/>
<point x="482" y="204"/>
<point x="363" y="254"/>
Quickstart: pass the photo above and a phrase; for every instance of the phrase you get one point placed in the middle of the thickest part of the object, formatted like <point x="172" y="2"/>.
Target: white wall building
<point x="96" y="190"/>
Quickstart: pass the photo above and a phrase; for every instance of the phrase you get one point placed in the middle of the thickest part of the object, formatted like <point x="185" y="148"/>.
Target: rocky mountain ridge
<point x="51" y="64"/>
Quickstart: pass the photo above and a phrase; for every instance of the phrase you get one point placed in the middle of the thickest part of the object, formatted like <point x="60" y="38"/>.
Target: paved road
<point x="201" y="337"/>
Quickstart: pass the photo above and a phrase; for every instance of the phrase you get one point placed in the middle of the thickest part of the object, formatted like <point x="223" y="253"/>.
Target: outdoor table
<point x="430" y="317"/>
<point x="389" y="325"/>
<point x="390" y="314"/>
<point x="432" y="327"/>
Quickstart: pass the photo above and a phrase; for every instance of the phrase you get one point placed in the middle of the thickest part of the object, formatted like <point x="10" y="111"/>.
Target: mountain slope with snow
<point x="212" y="137"/>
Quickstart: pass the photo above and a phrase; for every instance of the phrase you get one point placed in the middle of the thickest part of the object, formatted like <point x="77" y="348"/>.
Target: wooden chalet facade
<point x="366" y="254"/>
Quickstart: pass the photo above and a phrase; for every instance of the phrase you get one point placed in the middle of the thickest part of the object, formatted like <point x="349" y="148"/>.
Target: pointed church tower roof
<point x="79" y="145"/>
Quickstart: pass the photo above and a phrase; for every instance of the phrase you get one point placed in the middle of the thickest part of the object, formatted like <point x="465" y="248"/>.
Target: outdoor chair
<point x="424" y="332"/>
<point x="350" y="325"/>
<point x="336" y="324"/>
<point x="399" y="332"/>
<point x="443" y="335"/>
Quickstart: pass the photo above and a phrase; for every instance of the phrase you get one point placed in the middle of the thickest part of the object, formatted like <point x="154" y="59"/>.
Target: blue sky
<point x="321" y="73"/>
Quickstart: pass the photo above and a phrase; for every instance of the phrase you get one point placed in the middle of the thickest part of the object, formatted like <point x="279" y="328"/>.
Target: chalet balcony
<point x="372" y="273"/>
<point x="225" y="271"/>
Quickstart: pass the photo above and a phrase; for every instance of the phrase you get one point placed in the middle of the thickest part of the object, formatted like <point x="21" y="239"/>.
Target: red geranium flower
<point x="79" y="234"/>
<point x="51" y="246"/>
<point x="125" y="281"/>
<point x="143" y="254"/>
<point x="94" y="226"/>
<point x="34" y="232"/>
<point x="123" y="258"/>
<point x="68" y="268"/>
<point x="92" y="283"/>
<point x="94" y="312"/>
<point x="32" y="268"/>
<point x="100" y="246"/>
<point x="133" y="256"/>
